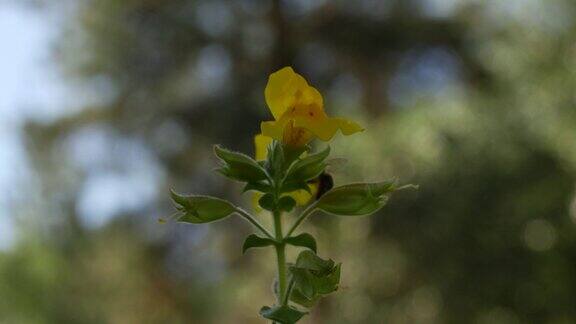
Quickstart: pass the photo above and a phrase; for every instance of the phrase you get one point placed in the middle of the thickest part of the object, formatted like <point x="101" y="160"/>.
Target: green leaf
<point x="305" y="240"/>
<point x="312" y="284"/>
<point x="282" y="314"/>
<point x="255" y="241"/>
<point x="299" y="298"/>
<point x="303" y="282"/>
<point x="292" y="153"/>
<point x="328" y="283"/>
<point x="286" y="204"/>
<point x="199" y="209"/>
<point x="239" y="166"/>
<point x="261" y="186"/>
<point x="308" y="167"/>
<point x="275" y="161"/>
<point x="267" y="202"/>
<point x="356" y="199"/>
<point x="313" y="278"/>
<point x="310" y="261"/>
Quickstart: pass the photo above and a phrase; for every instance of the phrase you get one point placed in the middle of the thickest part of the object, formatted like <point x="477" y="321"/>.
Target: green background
<point x="472" y="100"/>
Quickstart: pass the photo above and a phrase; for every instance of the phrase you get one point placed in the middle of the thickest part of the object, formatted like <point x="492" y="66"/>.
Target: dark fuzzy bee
<point x="324" y="182"/>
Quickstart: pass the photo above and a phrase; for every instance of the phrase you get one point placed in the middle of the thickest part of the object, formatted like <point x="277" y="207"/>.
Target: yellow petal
<point x="311" y="96"/>
<point x="273" y="129"/>
<point x="286" y="89"/>
<point x="325" y="128"/>
<point x="261" y="144"/>
<point x="303" y="197"/>
<point x="348" y="127"/>
<point x="296" y="136"/>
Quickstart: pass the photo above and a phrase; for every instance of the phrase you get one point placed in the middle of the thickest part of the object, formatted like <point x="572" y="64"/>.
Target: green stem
<point x="307" y="212"/>
<point x="254" y="222"/>
<point x="281" y="257"/>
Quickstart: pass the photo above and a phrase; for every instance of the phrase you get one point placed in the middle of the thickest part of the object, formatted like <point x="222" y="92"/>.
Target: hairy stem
<point x="281" y="257"/>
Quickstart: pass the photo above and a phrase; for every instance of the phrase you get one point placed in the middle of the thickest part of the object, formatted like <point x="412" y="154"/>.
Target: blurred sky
<point x="30" y="88"/>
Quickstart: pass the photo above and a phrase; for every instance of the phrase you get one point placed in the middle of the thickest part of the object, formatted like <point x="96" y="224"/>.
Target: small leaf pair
<point x="282" y="314"/>
<point x="303" y="240"/>
<point x="285" y="203"/>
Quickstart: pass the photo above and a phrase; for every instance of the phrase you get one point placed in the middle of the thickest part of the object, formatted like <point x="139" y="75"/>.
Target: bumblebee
<point x="321" y="185"/>
<point x="318" y="186"/>
<point x="324" y="182"/>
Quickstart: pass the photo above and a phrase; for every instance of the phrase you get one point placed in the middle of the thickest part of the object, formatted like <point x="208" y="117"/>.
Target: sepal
<point x="267" y="202"/>
<point x="275" y="161"/>
<point x="313" y="277"/>
<point x="286" y="204"/>
<point x="238" y="166"/>
<point x="356" y="199"/>
<point x="197" y="209"/>
<point x="308" y="167"/>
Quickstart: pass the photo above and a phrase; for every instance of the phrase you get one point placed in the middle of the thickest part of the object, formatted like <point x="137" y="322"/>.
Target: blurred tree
<point x="473" y="100"/>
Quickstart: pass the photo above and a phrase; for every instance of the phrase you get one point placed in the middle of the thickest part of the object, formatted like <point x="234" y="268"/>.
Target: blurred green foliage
<point x="473" y="100"/>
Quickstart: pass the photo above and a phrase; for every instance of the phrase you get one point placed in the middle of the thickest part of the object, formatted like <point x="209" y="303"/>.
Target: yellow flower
<point x="261" y="144"/>
<point x="298" y="110"/>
